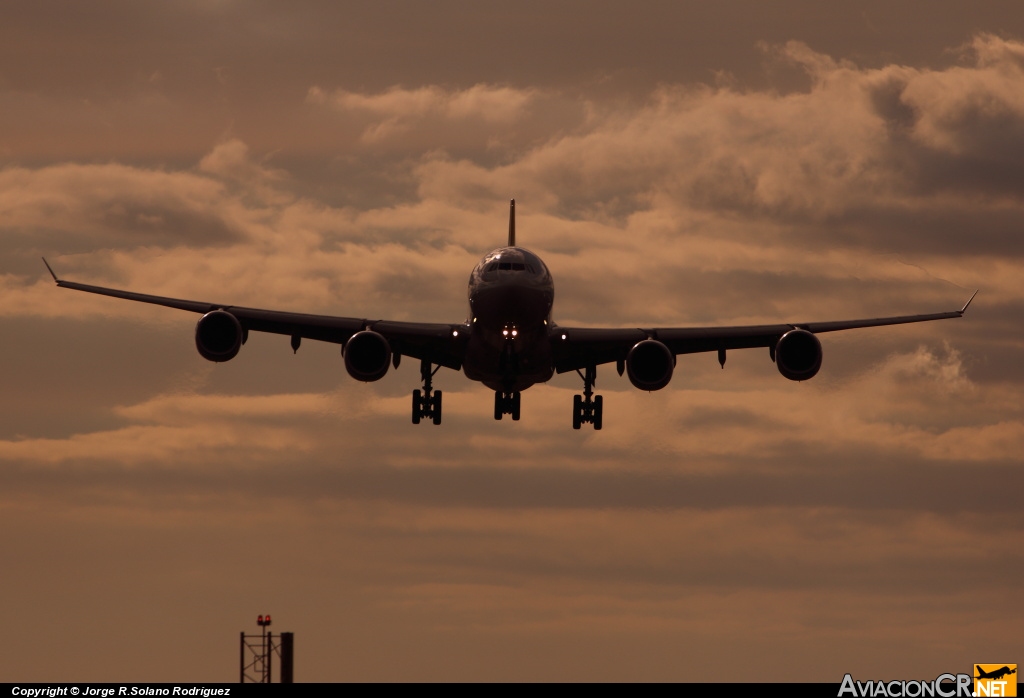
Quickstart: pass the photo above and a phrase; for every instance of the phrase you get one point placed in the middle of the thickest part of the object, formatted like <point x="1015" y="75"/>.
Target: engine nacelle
<point x="367" y="356"/>
<point x="649" y="365"/>
<point x="218" y="336"/>
<point x="798" y="355"/>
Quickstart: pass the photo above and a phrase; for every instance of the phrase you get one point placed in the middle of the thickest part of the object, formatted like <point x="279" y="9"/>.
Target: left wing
<point x="577" y="348"/>
<point x="440" y="344"/>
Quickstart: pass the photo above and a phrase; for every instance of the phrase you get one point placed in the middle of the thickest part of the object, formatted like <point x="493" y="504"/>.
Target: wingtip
<point x="50" y="269"/>
<point x="964" y="309"/>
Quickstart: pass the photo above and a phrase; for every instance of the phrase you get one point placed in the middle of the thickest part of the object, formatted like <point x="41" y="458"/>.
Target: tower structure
<point x="256" y="654"/>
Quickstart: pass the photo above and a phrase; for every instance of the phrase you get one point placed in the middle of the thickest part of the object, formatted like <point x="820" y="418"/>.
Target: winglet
<point x="50" y="269"/>
<point x="512" y="223"/>
<point x="964" y="309"/>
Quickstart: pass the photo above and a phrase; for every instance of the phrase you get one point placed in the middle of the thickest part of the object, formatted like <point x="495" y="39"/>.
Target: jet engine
<point x="218" y="336"/>
<point x="367" y="356"/>
<point x="649" y="365"/>
<point x="798" y="355"/>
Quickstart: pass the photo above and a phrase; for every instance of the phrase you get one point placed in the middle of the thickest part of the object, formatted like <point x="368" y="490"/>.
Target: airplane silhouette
<point x="995" y="674"/>
<point x="509" y="342"/>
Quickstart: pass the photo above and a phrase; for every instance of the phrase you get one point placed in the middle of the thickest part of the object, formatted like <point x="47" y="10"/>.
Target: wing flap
<point x="443" y="345"/>
<point x="575" y="348"/>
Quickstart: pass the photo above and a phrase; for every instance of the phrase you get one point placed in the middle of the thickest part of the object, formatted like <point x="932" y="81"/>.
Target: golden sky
<point x="674" y="164"/>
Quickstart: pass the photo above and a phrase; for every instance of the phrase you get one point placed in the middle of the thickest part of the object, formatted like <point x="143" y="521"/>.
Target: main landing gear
<point x="587" y="408"/>
<point x="425" y="405"/>
<point x="506" y="403"/>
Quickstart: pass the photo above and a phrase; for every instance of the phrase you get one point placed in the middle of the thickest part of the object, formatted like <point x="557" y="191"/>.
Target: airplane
<point x="995" y="674"/>
<point x="509" y="342"/>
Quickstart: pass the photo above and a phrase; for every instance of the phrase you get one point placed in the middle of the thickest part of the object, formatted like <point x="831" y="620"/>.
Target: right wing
<point x="440" y="344"/>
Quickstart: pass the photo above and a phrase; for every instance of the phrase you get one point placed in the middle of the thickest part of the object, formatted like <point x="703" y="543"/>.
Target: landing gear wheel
<point x="598" y="412"/>
<point x="417" y="407"/>
<point x="577" y="411"/>
<point x="499" y="407"/>
<point x="436" y="404"/>
<point x="515" y="406"/>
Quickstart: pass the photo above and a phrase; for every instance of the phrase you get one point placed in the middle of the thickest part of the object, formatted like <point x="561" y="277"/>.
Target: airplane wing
<point x="441" y="344"/>
<point x="577" y="348"/>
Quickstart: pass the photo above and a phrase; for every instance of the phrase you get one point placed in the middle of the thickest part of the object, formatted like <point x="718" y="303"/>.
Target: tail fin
<point x="512" y="223"/>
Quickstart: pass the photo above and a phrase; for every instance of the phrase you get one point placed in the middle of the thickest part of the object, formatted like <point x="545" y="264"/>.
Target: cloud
<point x="113" y="203"/>
<point x="488" y="103"/>
<point x="230" y="160"/>
<point x="484" y="122"/>
<point x="861" y="151"/>
<point x="719" y="515"/>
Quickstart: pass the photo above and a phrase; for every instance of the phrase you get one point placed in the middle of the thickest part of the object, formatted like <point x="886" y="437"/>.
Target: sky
<point x="674" y="164"/>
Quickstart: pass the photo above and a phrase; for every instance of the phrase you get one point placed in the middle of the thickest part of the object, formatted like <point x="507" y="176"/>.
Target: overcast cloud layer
<point x="673" y="166"/>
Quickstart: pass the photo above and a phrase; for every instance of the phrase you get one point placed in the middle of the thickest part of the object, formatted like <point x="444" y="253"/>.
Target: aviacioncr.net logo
<point x="995" y="680"/>
<point x="944" y="686"/>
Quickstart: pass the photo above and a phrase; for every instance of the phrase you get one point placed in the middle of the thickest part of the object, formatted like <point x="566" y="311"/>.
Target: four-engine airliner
<point x="509" y="342"/>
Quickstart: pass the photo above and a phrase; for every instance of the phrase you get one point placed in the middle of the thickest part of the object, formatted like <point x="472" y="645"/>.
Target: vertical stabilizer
<point x="512" y="223"/>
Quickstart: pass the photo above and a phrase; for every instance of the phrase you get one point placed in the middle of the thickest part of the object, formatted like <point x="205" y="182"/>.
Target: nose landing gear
<point x="425" y="404"/>
<point x="588" y="408"/>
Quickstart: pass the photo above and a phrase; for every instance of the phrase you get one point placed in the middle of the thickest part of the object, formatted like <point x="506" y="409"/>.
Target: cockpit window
<point x="509" y="266"/>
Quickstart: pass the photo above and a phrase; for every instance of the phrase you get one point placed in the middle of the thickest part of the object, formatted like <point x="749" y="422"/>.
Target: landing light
<point x="455" y="333"/>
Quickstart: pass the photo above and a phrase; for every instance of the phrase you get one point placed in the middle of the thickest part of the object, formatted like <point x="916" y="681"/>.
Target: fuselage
<point x="511" y="293"/>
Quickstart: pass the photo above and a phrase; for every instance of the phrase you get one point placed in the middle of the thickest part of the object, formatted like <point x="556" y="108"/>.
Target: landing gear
<point x="588" y="408"/>
<point x="506" y="403"/>
<point x="425" y="404"/>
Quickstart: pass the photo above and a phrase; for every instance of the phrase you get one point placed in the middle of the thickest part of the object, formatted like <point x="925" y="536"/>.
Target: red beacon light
<point x="263" y="621"/>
